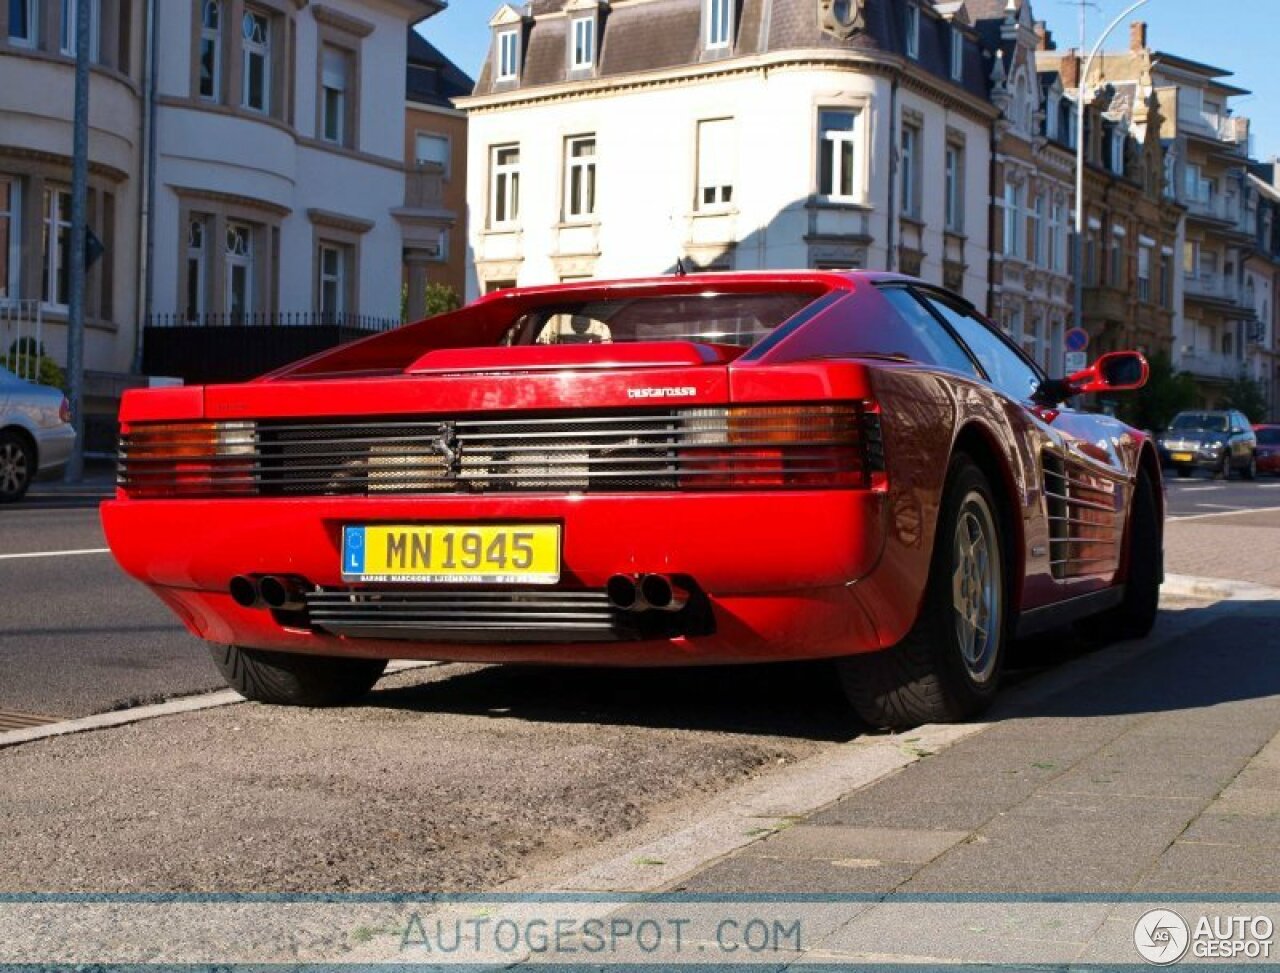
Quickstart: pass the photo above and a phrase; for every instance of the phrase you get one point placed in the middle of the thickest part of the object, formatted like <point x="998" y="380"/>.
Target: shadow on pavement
<point x="1233" y="658"/>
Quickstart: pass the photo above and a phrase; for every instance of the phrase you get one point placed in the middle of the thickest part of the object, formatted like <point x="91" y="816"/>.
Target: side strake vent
<point x="820" y="446"/>
<point x="1084" y="511"/>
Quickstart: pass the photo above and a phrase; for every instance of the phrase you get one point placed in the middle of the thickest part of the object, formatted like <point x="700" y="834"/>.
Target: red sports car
<point x="724" y="468"/>
<point x="1268" y="451"/>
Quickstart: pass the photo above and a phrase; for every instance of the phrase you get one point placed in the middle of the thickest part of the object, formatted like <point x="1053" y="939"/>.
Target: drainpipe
<point x="146" y="207"/>
<point x="891" y="217"/>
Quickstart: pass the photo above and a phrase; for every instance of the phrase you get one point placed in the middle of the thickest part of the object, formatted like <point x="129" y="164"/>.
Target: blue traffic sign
<point x="1077" y="339"/>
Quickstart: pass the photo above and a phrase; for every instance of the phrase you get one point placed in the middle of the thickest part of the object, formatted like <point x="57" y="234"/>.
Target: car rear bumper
<point x="54" y="447"/>
<point x="774" y="574"/>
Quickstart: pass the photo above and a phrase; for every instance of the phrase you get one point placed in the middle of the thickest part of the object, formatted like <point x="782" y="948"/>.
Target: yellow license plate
<point x="1181" y="457"/>
<point x="452" y="553"/>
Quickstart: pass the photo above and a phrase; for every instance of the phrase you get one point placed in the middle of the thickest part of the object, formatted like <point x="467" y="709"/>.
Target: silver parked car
<point x="36" y="435"/>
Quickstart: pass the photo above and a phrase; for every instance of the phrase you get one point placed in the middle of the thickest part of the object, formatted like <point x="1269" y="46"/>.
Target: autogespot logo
<point x="1161" y="936"/>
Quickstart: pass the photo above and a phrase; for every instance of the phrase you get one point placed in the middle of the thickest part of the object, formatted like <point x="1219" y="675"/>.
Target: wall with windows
<point x="754" y="170"/>
<point x="37" y="78"/>
<point x="279" y="168"/>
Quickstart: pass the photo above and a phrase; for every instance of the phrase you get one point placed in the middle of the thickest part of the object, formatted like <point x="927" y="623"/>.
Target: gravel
<point x="453" y="778"/>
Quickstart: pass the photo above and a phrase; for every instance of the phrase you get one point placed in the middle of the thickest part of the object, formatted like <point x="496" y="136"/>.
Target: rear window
<point x="1269" y="437"/>
<point x="722" y="319"/>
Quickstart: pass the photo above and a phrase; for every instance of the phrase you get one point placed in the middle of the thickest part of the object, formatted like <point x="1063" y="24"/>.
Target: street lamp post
<point x="1083" y="80"/>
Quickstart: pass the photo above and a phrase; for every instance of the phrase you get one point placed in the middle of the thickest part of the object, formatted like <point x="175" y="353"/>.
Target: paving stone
<point x="840" y="843"/>
<point x="1224" y="828"/>
<point x="1190" y="866"/>
<point x="782" y="875"/>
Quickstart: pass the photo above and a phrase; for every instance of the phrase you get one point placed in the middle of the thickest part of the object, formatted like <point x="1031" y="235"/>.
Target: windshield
<point x="1269" y="437"/>
<point x="725" y="319"/>
<point x="1208" y="421"/>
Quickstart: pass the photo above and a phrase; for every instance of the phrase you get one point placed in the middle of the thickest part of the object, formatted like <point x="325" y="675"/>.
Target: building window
<point x="197" y="267"/>
<point x="1144" y="274"/>
<point x="1035" y="232"/>
<point x="837" y="131"/>
<point x="1190" y="258"/>
<point x="10" y="252"/>
<point x="1117" y="153"/>
<point x="912" y="30"/>
<point x="332" y="266"/>
<point x="957" y="54"/>
<point x="211" y="49"/>
<point x="24" y="18"/>
<point x="508" y="55"/>
<point x="335" y="71"/>
<point x="1056" y="240"/>
<point x="1166" y="280"/>
<point x="1115" y="272"/>
<point x="955" y="189"/>
<point x="238" y="270"/>
<point x="718" y="18"/>
<point x="256" y="31"/>
<point x="579" y="177"/>
<point x="584" y="44"/>
<point x="70" y="14"/>
<point x="1012" y="220"/>
<point x="432" y="148"/>
<point x="715" y="163"/>
<point x="504" y="184"/>
<point x="910" y="170"/>
<point x="55" y="247"/>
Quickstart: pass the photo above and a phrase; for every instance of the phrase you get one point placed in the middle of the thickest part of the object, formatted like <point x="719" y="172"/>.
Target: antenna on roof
<point x="680" y="271"/>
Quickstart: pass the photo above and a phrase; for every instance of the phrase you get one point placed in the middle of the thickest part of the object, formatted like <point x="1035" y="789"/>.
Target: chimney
<point x="1044" y="38"/>
<point x="1138" y="35"/>
<point x="1069" y="68"/>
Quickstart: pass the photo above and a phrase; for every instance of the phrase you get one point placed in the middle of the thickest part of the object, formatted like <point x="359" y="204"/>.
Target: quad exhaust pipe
<point x="277" y="592"/>
<point x="645" y="592"/>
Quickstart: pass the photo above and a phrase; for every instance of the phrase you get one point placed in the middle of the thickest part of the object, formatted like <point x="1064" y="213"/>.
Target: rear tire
<point x="17" y="466"/>
<point x="1135" y="616"/>
<point x="1224" y="471"/>
<point x="290" y="679"/>
<point x="1251" y="471"/>
<point x="948" y="666"/>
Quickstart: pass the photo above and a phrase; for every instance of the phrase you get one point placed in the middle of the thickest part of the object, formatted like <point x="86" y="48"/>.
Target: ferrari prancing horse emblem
<point x="843" y="18"/>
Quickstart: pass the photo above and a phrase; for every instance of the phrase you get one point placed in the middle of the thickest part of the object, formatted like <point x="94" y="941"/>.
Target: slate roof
<point x="430" y="77"/>
<point x="657" y="34"/>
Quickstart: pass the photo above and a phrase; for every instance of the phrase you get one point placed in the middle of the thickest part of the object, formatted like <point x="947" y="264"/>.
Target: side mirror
<point x="1116" y="371"/>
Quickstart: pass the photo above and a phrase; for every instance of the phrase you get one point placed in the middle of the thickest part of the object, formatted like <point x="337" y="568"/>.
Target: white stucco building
<point x="611" y="139"/>
<point x="274" y="189"/>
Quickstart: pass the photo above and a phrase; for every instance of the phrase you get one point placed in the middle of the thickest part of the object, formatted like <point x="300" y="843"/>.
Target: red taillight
<point x="64" y="411"/>
<point x="188" y="459"/>
<point x="812" y="446"/>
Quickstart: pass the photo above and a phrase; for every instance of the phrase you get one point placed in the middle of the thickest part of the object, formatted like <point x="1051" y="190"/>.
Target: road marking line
<point x="1223" y="506"/>
<point x="1269" y="486"/>
<point x="1226" y="513"/>
<point x="29" y="554"/>
<point x="1200" y="489"/>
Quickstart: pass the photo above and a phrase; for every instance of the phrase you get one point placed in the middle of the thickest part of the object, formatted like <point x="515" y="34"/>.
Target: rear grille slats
<point x="467" y="615"/>
<point x="701" y="448"/>
<point x="1083" y="514"/>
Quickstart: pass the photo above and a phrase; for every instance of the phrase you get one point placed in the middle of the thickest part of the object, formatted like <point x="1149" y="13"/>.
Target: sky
<point x="1238" y="35"/>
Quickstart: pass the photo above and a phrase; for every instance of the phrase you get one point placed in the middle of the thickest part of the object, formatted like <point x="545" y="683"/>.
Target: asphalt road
<point x="76" y="635"/>
<point x="1201" y="494"/>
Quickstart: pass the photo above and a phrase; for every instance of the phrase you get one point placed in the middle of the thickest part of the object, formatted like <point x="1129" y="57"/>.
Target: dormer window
<point x="913" y="31"/>
<point x="719" y="21"/>
<point x="508" y="55"/>
<point x="1117" y="153"/>
<point x="582" y="57"/>
<point x="957" y="54"/>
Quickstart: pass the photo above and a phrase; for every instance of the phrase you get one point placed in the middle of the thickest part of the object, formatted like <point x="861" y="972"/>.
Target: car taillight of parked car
<point x="64" y="410"/>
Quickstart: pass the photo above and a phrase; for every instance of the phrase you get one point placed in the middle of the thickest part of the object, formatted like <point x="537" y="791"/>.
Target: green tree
<point x="1246" y="395"/>
<point x="1166" y="393"/>
<point x="440" y="298"/>
<point x="25" y="356"/>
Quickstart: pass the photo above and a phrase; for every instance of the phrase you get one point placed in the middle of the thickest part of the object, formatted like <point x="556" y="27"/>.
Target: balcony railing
<point x="1210" y="365"/>
<point x="275" y="319"/>
<point x="21" y="337"/>
<point x="1212" y="286"/>
<point x="1221" y="208"/>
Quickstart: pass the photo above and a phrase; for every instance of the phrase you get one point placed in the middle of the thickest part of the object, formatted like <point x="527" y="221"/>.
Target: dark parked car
<point x="1220" y="441"/>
